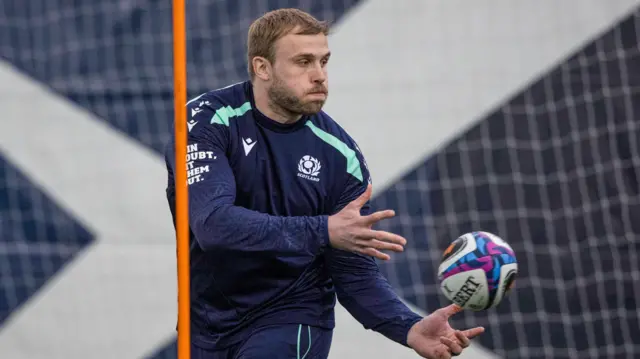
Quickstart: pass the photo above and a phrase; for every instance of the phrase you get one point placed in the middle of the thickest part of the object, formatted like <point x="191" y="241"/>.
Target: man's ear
<point x="262" y="68"/>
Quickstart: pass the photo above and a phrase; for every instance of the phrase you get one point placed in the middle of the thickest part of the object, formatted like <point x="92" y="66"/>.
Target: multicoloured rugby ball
<point x="477" y="271"/>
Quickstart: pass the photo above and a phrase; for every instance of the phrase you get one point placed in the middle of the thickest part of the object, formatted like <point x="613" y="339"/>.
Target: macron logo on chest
<point x="248" y="144"/>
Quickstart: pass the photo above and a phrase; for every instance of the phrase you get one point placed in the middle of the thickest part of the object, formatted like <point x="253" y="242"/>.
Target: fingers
<point x="473" y="332"/>
<point x="373" y="242"/>
<point x="375" y="217"/>
<point x="364" y="197"/>
<point x="441" y="352"/>
<point x="450" y="310"/>
<point x="373" y="247"/>
<point x="462" y="339"/>
<point x="453" y="346"/>
<point x="380" y="245"/>
<point x="375" y="253"/>
<point x="384" y="237"/>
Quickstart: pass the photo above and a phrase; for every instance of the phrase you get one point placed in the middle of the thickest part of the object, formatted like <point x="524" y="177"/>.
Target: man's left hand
<point x="433" y="337"/>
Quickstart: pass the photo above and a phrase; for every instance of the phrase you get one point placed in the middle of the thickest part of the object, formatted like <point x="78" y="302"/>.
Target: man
<point x="279" y="213"/>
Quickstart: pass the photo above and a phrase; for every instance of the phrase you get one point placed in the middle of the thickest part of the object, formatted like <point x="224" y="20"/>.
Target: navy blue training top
<point x="260" y="193"/>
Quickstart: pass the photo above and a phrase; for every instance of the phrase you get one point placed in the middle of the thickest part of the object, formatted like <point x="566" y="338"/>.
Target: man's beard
<point x="284" y="98"/>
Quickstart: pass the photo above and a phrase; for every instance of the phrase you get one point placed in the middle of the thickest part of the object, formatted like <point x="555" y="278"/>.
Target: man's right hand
<point x="350" y="231"/>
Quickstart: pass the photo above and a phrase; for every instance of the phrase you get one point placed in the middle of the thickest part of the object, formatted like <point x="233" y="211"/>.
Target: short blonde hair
<point x="270" y="27"/>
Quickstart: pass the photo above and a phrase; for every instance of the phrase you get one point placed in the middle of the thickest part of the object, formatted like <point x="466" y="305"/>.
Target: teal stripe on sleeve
<point x="224" y="114"/>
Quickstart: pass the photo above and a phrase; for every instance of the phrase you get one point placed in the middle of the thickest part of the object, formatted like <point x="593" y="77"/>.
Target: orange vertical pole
<point x="182" y="205"/>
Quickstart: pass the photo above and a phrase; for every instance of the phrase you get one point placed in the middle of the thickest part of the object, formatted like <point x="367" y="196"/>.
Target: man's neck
<point x="270" y="109"/>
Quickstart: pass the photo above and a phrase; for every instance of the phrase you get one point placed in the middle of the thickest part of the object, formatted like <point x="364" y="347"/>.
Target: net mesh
<point x="115" y="58"/>
<point x="554" y="171"/>
<point x="36" y="238"/>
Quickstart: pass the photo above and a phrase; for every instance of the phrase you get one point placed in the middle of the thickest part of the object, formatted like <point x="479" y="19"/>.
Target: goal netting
<point x="553" y="170"/>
